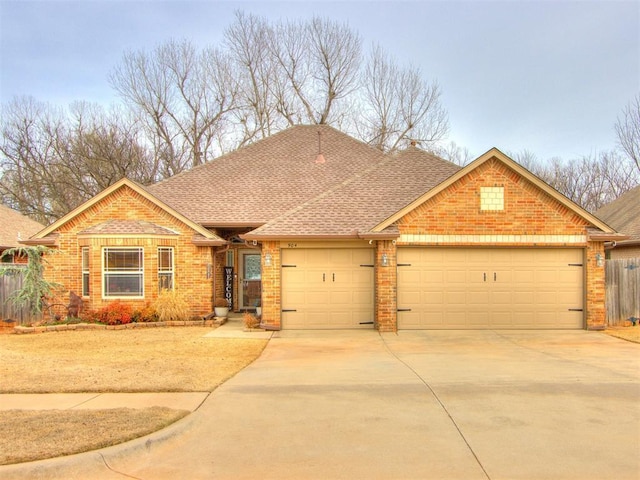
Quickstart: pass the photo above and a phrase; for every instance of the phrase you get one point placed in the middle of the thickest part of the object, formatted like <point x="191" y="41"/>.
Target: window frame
<point x="166" y="272"/>
<point x="85" y="280"/>
<point x="107" y="273"/>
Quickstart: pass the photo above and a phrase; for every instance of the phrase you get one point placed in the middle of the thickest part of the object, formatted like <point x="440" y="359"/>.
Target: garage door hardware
<point x="289" y="310"/>
<point x="575" y="310"/>
<point x="576" y="265"/>
<point x="289" y="266"/>
<point x="404" y="310"/>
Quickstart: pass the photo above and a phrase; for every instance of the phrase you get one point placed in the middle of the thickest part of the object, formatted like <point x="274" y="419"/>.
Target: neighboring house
<point x="326" y="232"/>
<point x="15" y="227"/>
<point x="623" y="214"/>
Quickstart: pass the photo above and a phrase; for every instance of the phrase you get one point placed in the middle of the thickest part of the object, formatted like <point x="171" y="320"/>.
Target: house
<point x="14" y="228"/>
<point x="325" y="232"/>
<point x="623" y="214"/>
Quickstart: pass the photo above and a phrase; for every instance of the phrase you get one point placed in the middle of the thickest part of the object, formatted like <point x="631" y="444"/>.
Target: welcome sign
<point x="228" y="285"/>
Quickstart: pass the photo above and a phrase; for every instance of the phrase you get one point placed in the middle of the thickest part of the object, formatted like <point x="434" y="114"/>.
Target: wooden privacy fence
<point x="9" y="283"/>
<point x="623" y="290"/>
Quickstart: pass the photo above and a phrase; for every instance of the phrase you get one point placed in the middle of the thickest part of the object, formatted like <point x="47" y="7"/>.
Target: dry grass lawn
<point x="178" y="359"/>
<point x="27" y="435"/>
<point x="631" y="334"/>
<point x="150" y="360"/>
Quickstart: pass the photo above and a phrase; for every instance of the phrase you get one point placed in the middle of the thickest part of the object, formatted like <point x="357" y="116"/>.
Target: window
<point x="122" y="270"/>
<point x="165" y="268"/>
<point x="85" y="271"/>
<point x="492" y="198"/>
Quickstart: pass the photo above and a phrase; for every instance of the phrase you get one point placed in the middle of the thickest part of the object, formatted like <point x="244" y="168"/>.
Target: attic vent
<point x="320" y="157"/>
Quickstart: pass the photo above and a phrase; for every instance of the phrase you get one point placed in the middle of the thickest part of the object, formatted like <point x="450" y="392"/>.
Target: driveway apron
<point x="418" y="405"/>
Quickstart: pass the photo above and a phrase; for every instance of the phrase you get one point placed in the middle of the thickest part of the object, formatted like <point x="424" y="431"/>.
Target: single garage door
<point x="481" y="288"/>
<point x="327" y="288"/>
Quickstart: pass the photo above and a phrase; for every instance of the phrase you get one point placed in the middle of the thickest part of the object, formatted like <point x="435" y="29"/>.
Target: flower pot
<point x="221" y="311"/>
<point x="258" y="311"/>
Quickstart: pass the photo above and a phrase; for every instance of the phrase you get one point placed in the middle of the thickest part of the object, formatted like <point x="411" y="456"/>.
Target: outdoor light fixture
<point x="599" y="259"/>
<point x="267" y="260"/>
<point x="384" y="261"/>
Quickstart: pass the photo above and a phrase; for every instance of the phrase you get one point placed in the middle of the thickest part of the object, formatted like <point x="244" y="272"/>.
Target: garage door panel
<point x="491" y="288"/>
<point x="327" y="288"/>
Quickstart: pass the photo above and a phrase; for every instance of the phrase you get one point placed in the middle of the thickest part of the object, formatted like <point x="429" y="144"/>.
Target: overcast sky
<point x="547" y="76"/>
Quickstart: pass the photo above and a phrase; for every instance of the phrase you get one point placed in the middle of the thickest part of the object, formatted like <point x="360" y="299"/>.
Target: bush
<point x="250" y="320"/>
<point x="221" y="303"/>
<point x="171" y="306"/>
<point x="144" y="315"/>
<point x="115" y="313"/>
<point x="90" y="316"/>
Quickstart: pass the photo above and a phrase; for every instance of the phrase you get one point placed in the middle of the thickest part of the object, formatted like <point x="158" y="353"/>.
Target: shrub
<point x="90" y="316"/>
<point x="145" y="314"/>
<point x="221" y="303"/>
<point x="171" y="306"/>
<point x="250" y="320"/>
<point x="115" y="313"/>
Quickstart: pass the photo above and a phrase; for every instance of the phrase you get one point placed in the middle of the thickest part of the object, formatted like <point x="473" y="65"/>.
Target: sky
<point x="546" y="76"/>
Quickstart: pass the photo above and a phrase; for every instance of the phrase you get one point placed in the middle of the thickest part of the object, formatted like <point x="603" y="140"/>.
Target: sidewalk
<point x="97" y="401"/>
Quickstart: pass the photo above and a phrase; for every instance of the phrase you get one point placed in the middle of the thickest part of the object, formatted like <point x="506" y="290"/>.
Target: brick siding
<point x="190" y="261"/>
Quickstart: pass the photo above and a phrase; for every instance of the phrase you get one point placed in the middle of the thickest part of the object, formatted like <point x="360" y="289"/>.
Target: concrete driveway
<point x="418" y="405"/>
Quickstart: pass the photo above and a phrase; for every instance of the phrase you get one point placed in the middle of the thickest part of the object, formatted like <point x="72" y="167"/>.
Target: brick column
<point x="271" y="282"/>
<point x="386" y="287"/>
<point x="595" y="287"/>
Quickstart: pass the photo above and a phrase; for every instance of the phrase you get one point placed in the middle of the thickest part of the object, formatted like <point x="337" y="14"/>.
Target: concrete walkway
<point x="442" y="405"/>
<point x="96" y="401"/>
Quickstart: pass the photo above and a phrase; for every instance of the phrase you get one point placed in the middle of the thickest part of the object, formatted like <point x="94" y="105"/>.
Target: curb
<point x="50" y="468"/>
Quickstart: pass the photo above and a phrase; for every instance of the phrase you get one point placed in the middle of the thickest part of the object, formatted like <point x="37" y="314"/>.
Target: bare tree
<point x="184" y="97"/>
<point x="454" y="153"/>
<point x="628" y="130"/>
<point x="399" y="106"/>
<point x="53" y="160"/>
<point x="335" y="56"/>
<point x="590" y="181"/>
<point x="292" y="72"/>
<point x="247" y="41"/>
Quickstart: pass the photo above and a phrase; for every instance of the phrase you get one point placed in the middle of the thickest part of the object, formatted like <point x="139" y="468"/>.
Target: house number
<point x="292" y="245"/>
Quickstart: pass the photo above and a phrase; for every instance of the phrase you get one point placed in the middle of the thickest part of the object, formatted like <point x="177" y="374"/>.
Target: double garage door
<point x="517" y="288"/>
<point x="327" y="288"/>
<point x="438" y="288"/>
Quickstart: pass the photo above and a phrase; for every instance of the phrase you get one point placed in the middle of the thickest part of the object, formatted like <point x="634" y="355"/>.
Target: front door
<point x="250" y="279"/>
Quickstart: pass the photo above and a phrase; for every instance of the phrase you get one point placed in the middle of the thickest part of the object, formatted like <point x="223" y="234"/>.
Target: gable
<point x="125" y="200"/>
<point x="493" y="199"/>
<point x="527" y="200"/>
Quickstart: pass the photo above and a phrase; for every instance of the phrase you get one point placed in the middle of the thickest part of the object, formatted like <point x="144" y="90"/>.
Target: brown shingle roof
<point x="127" y="227"/>
<point x="623" y="214"/>
<point x="264" y="180"/>
<point x="362" y="202"/>
<point x="14" y="225"/>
